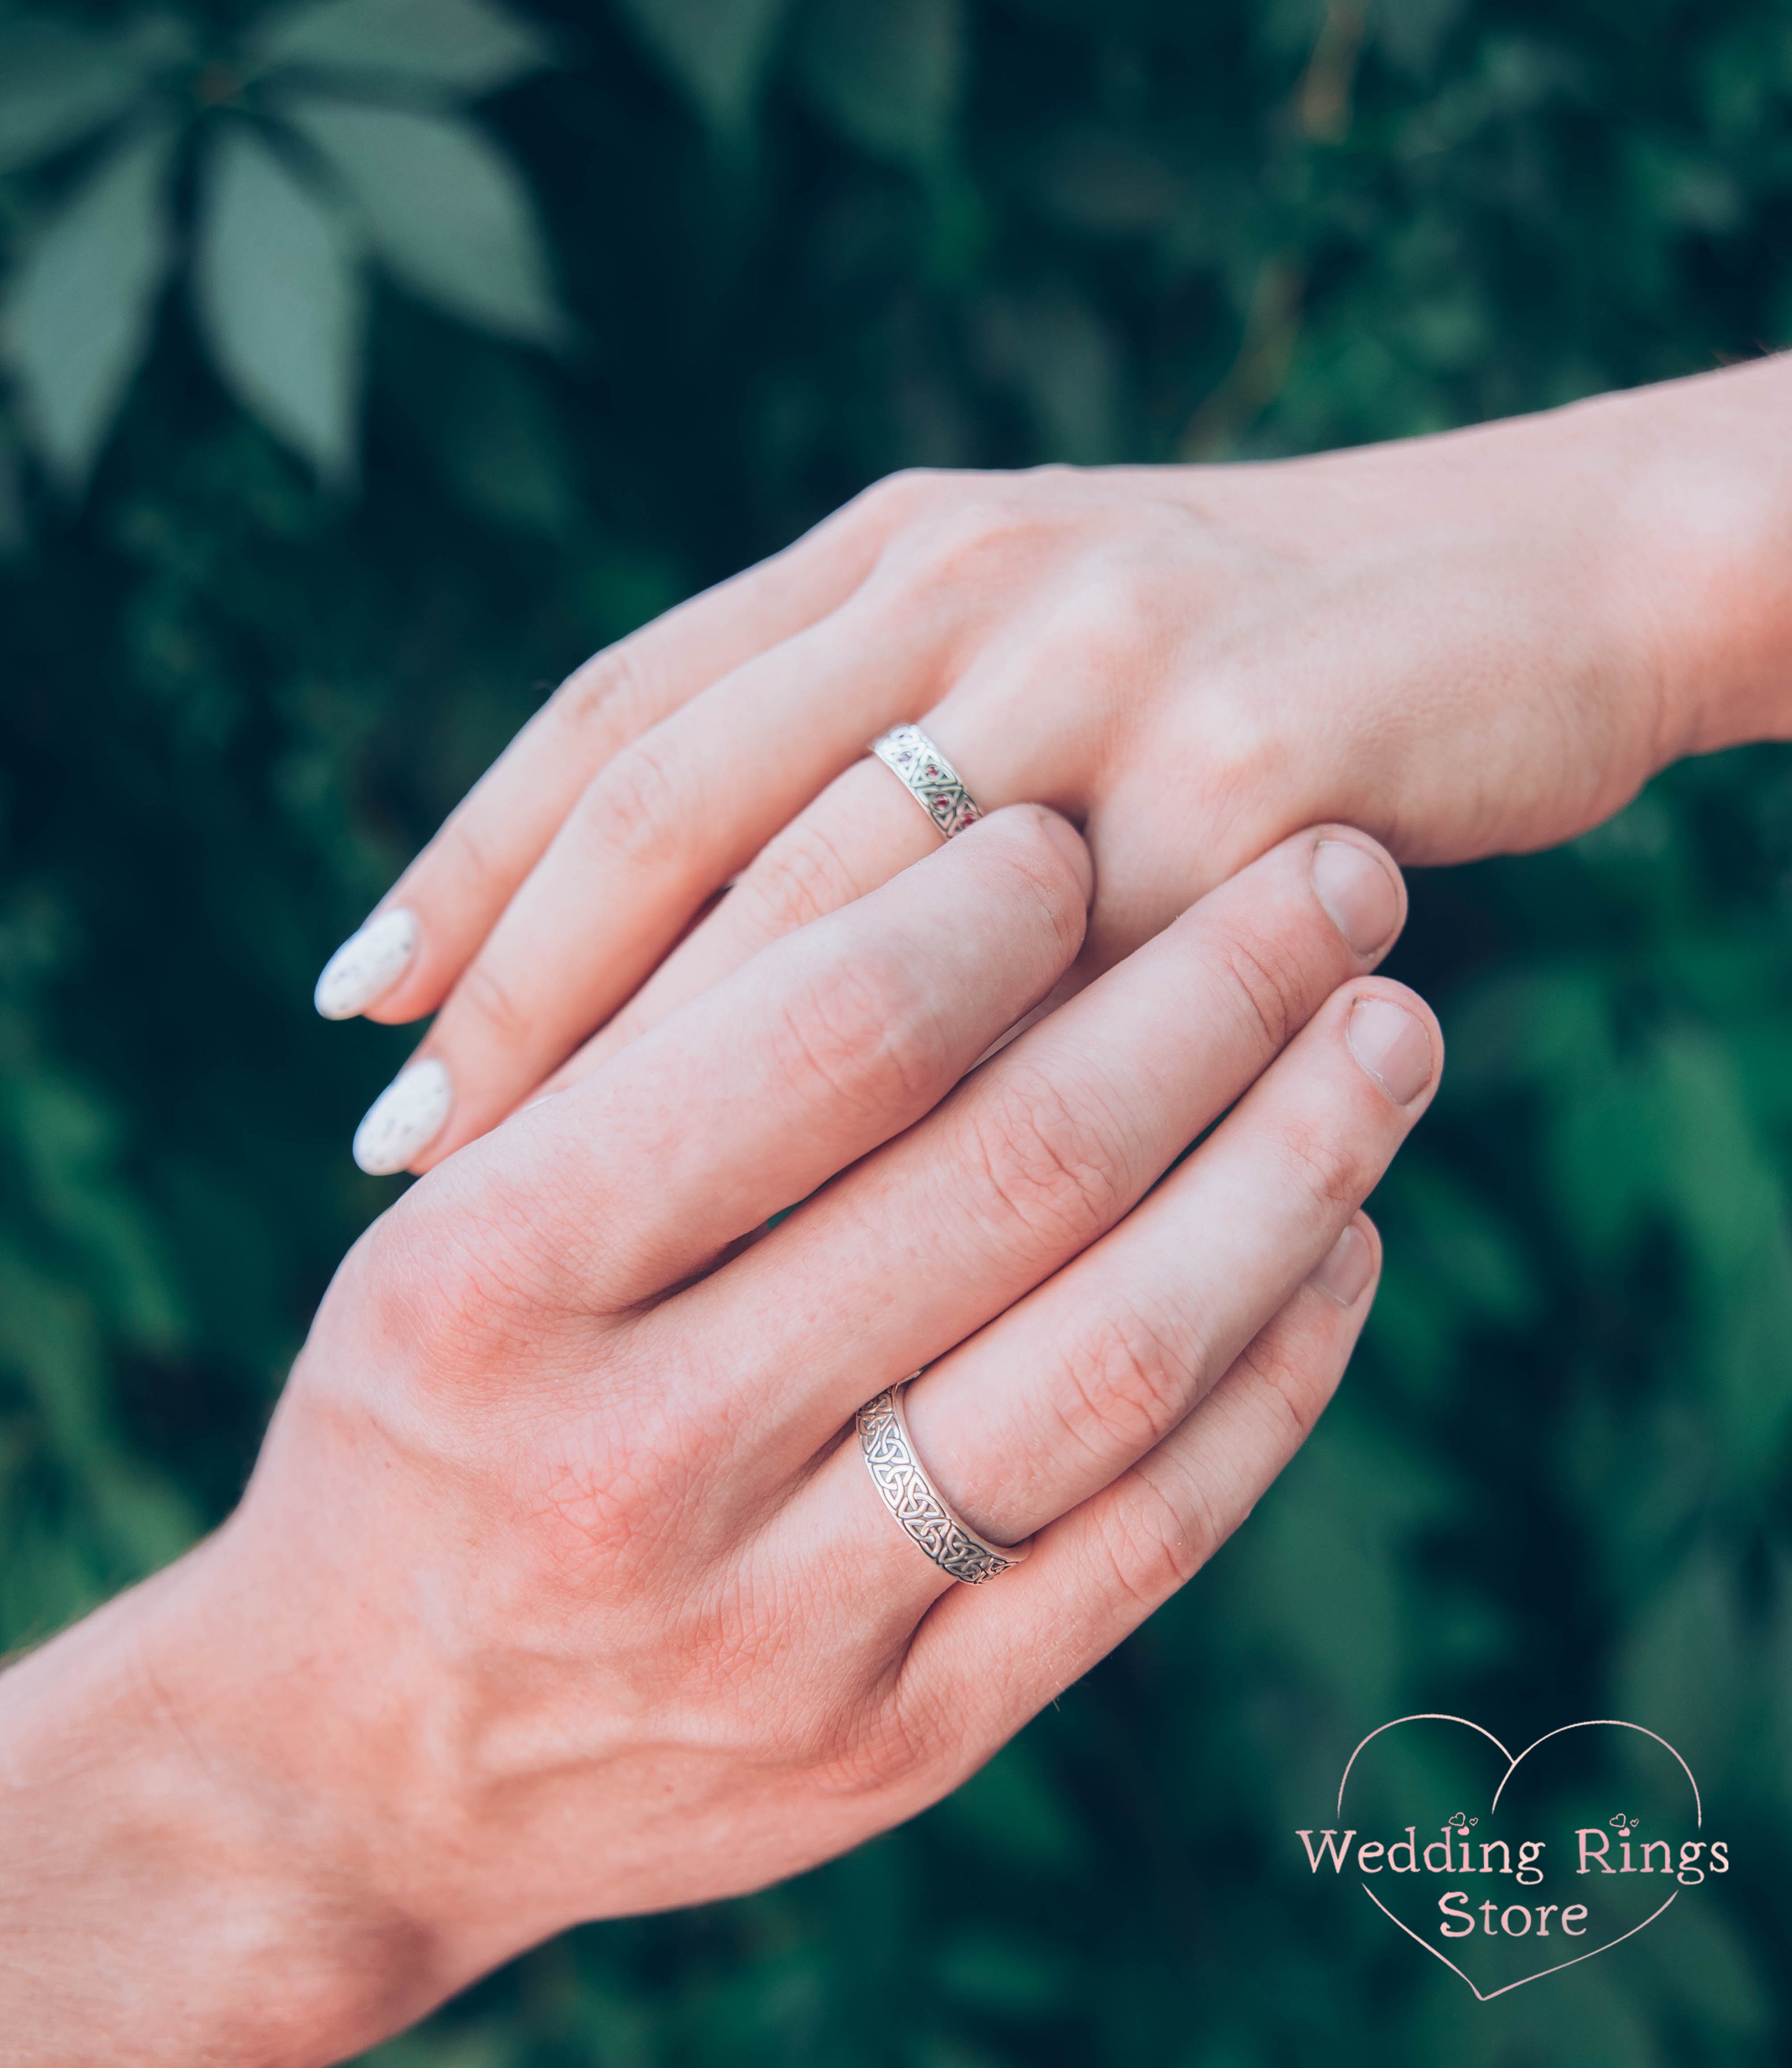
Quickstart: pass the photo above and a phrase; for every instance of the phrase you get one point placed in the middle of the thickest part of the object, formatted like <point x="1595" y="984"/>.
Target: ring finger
<point x="1052" y="1400"/>
<point x="1055" y="1399"/>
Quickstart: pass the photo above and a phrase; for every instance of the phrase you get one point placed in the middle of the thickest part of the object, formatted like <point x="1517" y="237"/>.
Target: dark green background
<point x="1555" y="1484"/>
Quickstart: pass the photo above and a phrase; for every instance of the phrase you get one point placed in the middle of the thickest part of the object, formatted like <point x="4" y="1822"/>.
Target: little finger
<point x="993" y="1656"/>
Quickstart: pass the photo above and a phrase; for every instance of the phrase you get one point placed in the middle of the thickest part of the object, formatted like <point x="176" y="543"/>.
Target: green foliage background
<point x="802" y="243"/>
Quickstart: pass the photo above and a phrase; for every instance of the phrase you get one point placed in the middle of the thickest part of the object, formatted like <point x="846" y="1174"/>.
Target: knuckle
<point x="1268" y="981"/>
<point x="1153" y="1543"/>
<point x="463" y="857"/>
<point x="637" y="807"/>
<point x="985" y="521"/>
<point x="1293" y="1381"/>
<point x="1127" y="1383"/>
<point x="1040" y="1159"/>
<point x="609" y="698"/>
<point x="1119" y="609"/>
<point x="980" y="537"/>
<point x="485" y="997"/>
<point x="863" y="1036"/>
<point x="901" y="497"/>
<point x="1322" y="1159"/>
<point x="453" y="1288"/>
<point x="801" y="877"/>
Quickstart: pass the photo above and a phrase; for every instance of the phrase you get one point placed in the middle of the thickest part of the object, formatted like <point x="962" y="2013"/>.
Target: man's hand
<point x="557" y="1593"/>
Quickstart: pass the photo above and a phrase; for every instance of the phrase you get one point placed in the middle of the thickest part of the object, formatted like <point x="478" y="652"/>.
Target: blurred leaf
<point x="1702" y="1969"/>
<point x="1465" y="1251"/>
<point x="886" y="73"/>
<point x="999" y="1971"/>
<point x="1102" y="180"/>
<point x="1053" y="351"/>
<point x="59" y="84"/>
<point x="1530" y="1027"/>
<point x="716" y="50"/>
<point x="277" y="286"/>
<point x="1585" y="2017"/>
<point x="12" y="492"/>
<point x="1318" y="1572"/>
<point x="135" y="1520"/>
<point x="76" y="321"/>
<point x="1685" y="1664"/>
<point x="67" y="1147"/>
<point x="466" y="46"/>
<point x="1413" y="31"/>
<point x="1012" y="1814"/>
<point x="481" y="2046"/>
<point x="445" y="209"/>
<point x="482" y="413"/>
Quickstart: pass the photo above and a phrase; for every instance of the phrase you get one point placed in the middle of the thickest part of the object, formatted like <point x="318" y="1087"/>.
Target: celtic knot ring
<point x="909" y="1495"/>
<point x="929" y="777"/>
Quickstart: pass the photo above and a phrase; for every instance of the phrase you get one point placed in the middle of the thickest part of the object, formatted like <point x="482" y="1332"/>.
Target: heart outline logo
<point x="1514" y="1762"/>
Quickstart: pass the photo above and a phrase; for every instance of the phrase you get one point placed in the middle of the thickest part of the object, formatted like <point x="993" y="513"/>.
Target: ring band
<point x="909" y="1495"/>
<point x="929" y="778"/>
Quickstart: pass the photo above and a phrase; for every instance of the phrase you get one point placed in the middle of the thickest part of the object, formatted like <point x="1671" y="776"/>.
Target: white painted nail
<point x="367" y="965"/>
<point x="404" y="1119"/>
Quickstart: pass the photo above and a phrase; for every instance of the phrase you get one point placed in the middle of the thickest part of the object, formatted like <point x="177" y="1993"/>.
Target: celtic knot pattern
<point x="884" y="1439"/>
<point x="932" y="780"/>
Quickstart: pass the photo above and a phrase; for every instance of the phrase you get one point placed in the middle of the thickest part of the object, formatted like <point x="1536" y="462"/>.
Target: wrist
<point x="1700" y="548"/>
<point x="169" y="1891"/>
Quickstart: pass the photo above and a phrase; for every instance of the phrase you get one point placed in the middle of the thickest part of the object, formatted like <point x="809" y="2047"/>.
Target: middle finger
<point x="1039" y="1152"/>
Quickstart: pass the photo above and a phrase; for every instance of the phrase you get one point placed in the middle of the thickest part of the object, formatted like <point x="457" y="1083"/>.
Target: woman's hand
<point x="558" y="1593"/>
<point x="1480" y="643"/>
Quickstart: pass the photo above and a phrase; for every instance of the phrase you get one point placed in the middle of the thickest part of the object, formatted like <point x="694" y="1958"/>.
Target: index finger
<point x="402" y="961"/>
<point x="755" y="1094"/>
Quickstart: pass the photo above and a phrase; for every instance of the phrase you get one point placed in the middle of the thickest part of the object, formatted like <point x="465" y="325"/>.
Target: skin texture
<point x="556" y="1593"/>
<point x="1478" y="643"/>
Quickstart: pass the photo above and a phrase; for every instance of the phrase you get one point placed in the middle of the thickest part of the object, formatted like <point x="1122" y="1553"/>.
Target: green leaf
<point x="277" y="289"/>
<point x="465" y="46"/>
<point x="58" y="85"/>
<point x="886" y="73"/>
<point x="76" y="319"/>
<point x="444" y="208"/>
<point x="716" y="50"/>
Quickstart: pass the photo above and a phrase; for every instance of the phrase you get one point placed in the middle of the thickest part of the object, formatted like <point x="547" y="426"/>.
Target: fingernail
<point x="404" y="1119"/>
<point x="1360" y="898"/>
<point x="1391" y="1045"/>
<point x="1347" y="1268"/>
<point x="367" y="965"/>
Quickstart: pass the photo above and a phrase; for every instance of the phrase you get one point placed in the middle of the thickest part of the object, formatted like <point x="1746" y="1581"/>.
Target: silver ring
<point x="929" y="777"/>
<point x="909" y="1495"/>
